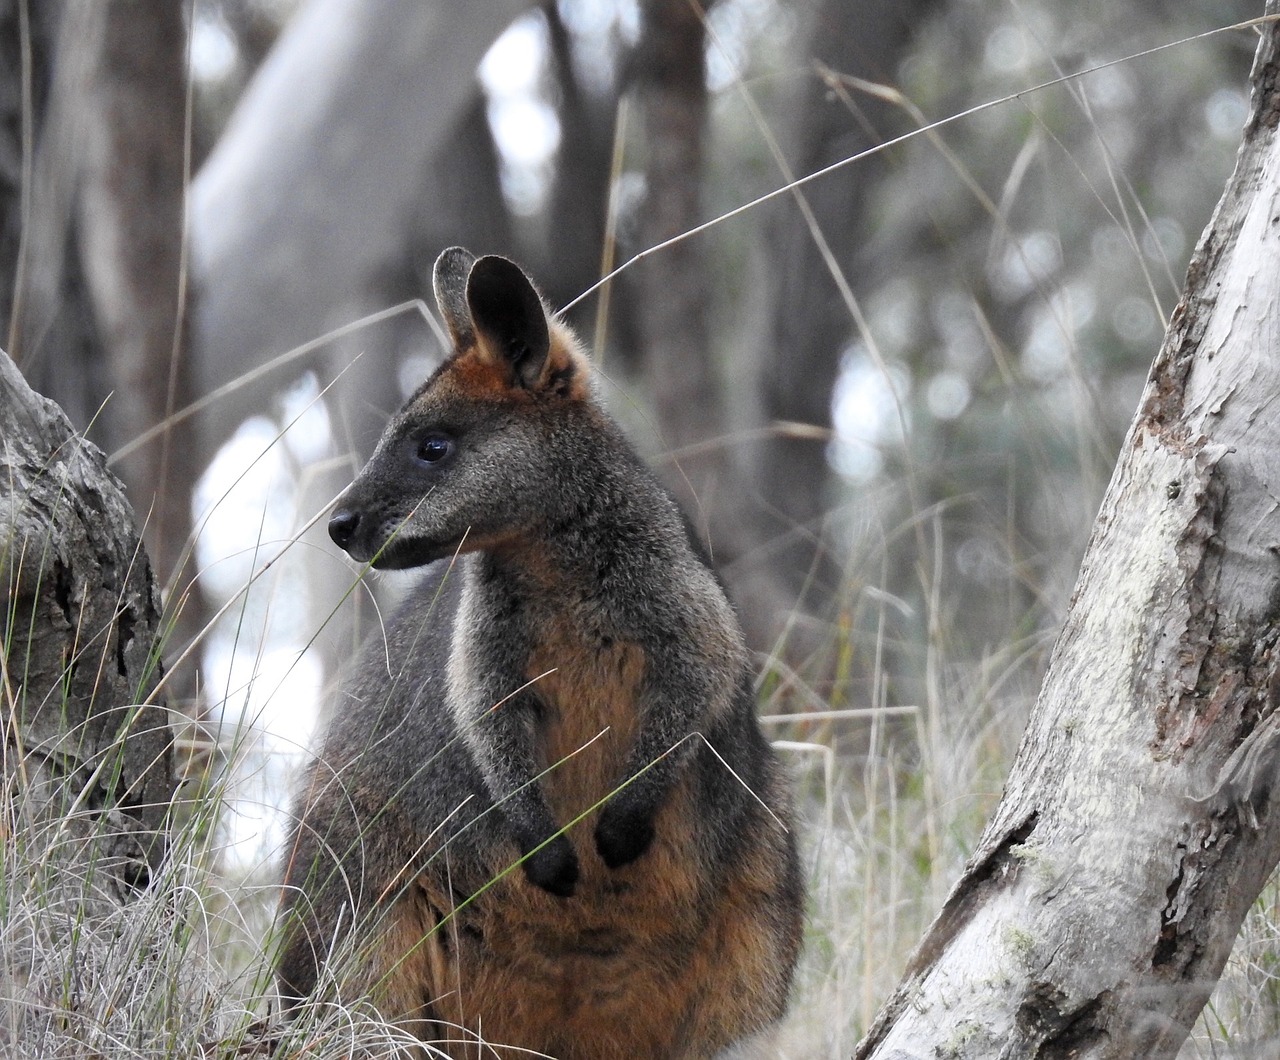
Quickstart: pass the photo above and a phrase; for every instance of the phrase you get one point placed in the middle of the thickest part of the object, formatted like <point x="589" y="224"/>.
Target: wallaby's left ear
<point x="449" y="281"/>
<point x="509" y="319"/>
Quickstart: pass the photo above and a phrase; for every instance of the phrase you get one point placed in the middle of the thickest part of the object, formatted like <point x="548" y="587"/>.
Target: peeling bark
<point x="1138" y="823"/>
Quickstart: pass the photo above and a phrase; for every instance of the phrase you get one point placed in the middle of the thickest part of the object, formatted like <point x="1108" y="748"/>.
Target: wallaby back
<point x="567" y="690"/>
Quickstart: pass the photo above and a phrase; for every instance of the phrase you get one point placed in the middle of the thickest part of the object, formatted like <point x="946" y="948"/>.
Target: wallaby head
<point x="467" y="462"/>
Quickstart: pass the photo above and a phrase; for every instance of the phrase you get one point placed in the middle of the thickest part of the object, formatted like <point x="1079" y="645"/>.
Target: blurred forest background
<point x="890" y="397"/>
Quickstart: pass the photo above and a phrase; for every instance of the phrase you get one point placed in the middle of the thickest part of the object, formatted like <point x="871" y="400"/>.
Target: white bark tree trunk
<point x="1139" y="823"/>
<point x="312" y="188"/>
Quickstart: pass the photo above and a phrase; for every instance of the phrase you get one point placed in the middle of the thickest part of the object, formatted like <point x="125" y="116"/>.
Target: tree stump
<point x="87" y="760"/>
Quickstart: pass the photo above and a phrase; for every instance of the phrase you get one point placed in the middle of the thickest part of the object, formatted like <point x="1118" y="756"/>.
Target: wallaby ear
<point x="449" y="281"/>
<point x="509" y="319"/>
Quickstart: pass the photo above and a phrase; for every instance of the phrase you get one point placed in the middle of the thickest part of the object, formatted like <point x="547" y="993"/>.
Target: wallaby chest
<point x="588" y="683"/>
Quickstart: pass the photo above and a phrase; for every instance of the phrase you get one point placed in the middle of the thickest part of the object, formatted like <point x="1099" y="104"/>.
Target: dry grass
<point x="893" y="798"/>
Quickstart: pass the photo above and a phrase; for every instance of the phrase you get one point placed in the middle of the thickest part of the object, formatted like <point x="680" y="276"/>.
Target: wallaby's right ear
<point x="449" y="280"/>
<point x="509" y="319"/>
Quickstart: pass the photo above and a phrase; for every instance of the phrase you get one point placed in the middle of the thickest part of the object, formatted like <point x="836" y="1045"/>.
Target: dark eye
<point x="433" y="449"/>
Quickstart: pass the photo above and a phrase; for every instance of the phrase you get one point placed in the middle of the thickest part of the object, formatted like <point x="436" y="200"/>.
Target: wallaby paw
<point x="621" y="838"/>
<point x="554" y="868"/>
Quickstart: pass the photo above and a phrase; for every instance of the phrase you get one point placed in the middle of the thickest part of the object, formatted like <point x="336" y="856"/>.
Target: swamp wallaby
<point x="568" y="686"/>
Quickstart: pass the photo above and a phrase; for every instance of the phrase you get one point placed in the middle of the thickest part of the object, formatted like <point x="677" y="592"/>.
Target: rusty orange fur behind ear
<point x="502" y="328"/>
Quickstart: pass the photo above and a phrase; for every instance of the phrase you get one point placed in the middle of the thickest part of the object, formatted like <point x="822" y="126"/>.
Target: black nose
<point x="342" y="526"/>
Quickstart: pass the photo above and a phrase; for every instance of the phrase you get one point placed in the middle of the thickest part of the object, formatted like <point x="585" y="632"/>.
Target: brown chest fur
<point x="589" y="710"/>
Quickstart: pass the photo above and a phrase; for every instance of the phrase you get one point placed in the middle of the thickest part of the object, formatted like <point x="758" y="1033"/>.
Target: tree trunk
<point x="130" y="225"/>
<point x="45" y="307"/>
<point x="791" y="560"/>
<point x="310" y="193"/>
<point x="567" y="260"/>
<point x="675" y="288"/>
<point x="79" y="647"/>
<point x="129" y="218"/>
<point x="91" y="251"/>
<point x="1138" y="823"/>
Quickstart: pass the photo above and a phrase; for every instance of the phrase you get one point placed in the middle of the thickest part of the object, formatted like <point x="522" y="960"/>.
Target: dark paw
<point x="554" y="868"/>
<point x="621" y="838"/>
